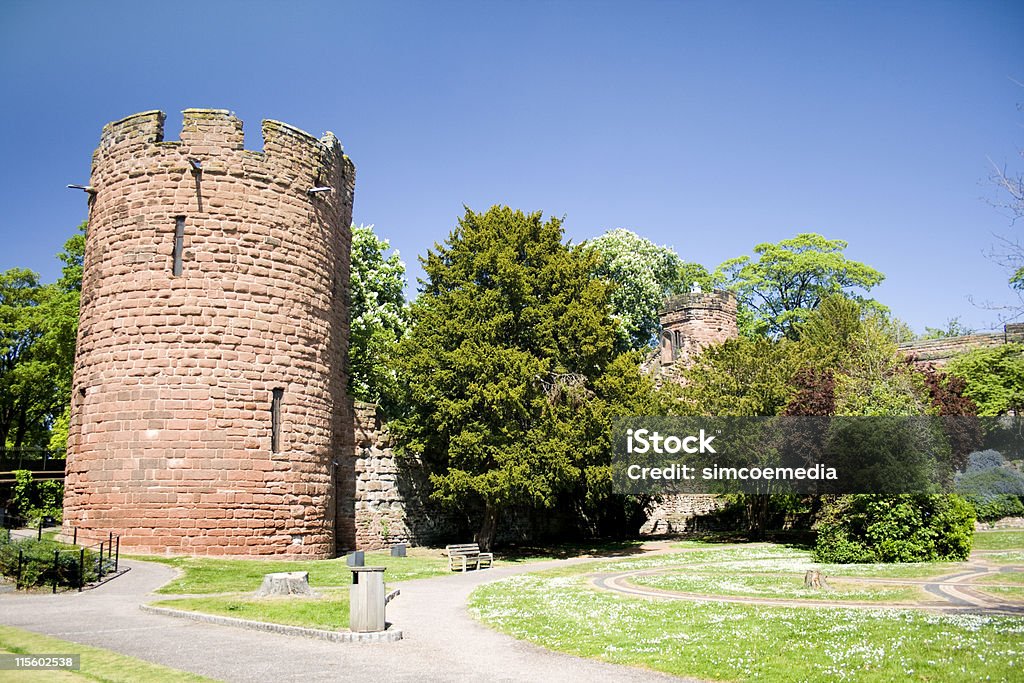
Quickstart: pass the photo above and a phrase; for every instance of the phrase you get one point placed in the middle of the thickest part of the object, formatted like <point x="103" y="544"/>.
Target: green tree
<point x="953" y="328"/>
<point x="508" y="367"/>
<point x="790" y="278"/>
<point x="378" y="317"/>
<point x="38" y="324"/>
<point x="994" y="378"/>
<point x="852" y="348"/>
<point x="904" y="528"/>
<point x="67" y="302"/>
<point x="740" y="377"/>
<point x="854" y="345"/>
<point x="643" y="274"/>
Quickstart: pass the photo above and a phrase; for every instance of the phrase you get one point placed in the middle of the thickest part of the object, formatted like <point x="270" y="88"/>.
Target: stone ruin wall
<point x="391" y="500"/>
<point x="683" y="512"/>
<point x="938" y="352"/>
<point x="170" y="437"/>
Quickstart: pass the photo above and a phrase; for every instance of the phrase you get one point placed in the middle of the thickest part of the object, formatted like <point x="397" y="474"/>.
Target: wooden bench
<point x="467" y="556"/>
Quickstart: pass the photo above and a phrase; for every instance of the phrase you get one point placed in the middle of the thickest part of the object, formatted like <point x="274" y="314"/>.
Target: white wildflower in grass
<point x="560" y="610"/>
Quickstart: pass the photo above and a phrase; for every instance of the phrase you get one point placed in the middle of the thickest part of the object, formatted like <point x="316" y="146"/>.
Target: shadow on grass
<point x="561" y="551"/>
<point x="796" y="539"/>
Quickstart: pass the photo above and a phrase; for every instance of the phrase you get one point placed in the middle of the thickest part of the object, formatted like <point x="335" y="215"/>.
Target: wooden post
<point x="56" y="568"/>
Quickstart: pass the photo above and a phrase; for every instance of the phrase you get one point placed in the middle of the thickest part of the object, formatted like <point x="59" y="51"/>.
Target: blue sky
<point x="710" y="127"/>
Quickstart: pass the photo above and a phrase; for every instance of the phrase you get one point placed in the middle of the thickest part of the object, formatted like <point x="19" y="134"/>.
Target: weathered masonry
<point x="209" y="408"/>
<point x="689" y="324"/>
<point x="938" y="352"/>
<point x="692" y="322"/>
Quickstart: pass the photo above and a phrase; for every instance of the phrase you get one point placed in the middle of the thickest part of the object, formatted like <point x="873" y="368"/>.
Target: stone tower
<point x="693" y="321"/>
<point x="689" y="322"/>
<point x="209" y="407"/>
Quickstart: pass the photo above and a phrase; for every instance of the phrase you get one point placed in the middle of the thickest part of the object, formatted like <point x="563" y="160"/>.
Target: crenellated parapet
<point x="693" y="321"/>
<point x="209" y="411"/>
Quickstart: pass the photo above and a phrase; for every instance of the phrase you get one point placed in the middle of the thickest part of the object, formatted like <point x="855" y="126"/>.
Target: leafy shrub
<point x="32" y="499"/>
<point x="996" y="507"/>
<point x="904" y="528"/>
<point x="992" y="486"/>
<point x="37" y="566"/>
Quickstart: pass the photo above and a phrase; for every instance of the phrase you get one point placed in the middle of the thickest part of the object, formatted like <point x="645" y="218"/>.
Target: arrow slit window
<point x="179" y="244"/>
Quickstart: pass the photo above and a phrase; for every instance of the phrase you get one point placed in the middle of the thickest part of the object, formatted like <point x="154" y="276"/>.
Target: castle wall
<point x="682" y="512"/>
<point x="170" y="438"/>
<point x="691" y="322"/>
<point x="392" y="504"/>
<point x="938" y="352"/>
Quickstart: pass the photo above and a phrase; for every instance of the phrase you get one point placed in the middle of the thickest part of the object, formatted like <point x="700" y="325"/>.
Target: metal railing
<point x="75" y="566"/>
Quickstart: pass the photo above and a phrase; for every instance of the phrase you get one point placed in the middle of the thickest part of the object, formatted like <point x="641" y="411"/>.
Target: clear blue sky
<point x="706" y="126"/>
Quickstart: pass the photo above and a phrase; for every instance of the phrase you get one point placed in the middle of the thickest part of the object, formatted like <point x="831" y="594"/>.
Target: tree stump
<point x="814" y="579"/>
<point x="285" y="583"/>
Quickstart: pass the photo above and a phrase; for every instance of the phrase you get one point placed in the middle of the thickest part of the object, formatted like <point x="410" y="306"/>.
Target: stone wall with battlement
<point x="939" y="351"/>
<point x="170" y="439"/>
<point x="693" y="321"/>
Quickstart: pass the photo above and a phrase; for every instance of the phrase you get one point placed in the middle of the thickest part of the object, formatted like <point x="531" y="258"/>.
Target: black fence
<point x="74" y="566"/>
<point x="32" y="459"/>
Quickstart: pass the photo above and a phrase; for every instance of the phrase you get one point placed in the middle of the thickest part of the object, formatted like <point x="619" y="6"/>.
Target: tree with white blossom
<point x="378" y="316"/>
<point x="643" y="274"/>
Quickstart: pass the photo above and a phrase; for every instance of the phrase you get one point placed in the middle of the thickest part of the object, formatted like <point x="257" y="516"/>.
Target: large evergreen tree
<point x="509" y="369"/>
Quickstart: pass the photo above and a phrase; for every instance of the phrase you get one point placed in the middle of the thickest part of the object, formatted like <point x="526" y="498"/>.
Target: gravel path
<point x="441" y="643"/>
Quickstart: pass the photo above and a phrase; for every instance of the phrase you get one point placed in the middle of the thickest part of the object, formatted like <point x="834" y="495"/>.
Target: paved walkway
<point x="442" y="642"/>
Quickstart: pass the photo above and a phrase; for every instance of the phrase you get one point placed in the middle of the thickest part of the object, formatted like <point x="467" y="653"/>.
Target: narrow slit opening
<point x="275" y="420"/>
<point x="179" y="244"/>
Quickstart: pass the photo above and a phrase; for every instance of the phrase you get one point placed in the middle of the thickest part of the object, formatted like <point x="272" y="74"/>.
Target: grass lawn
<point x="97" y="664"/>
<point x="999" y="540"/>
<point x="202" y="575"/>
<point x="1005" y="592"/>
<point x="770" y="559"/>
<point x="1002" y="577"/>
<point x="224" y="586"/>
<point x="329" y="611"/>
<point x="1005" y="557"/>
<point x="731" y="641"/>
<point x="218" y="575"/>
<point x="786" y="586"/>
<point x="560" y="610"/>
